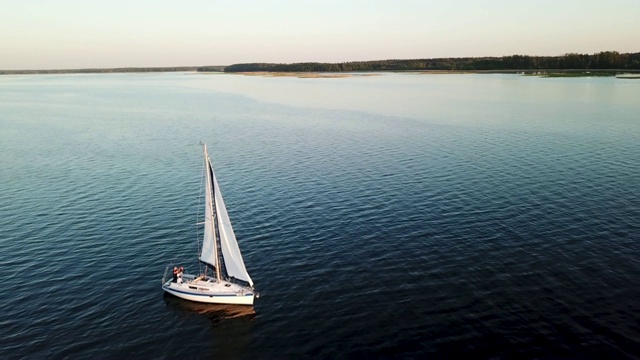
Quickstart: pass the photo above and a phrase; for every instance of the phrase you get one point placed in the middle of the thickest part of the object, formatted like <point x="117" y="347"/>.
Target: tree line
<point x="601" y="60"/>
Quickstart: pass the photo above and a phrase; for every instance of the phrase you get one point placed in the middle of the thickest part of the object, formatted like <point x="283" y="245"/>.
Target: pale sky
<point x="59" y="34"/>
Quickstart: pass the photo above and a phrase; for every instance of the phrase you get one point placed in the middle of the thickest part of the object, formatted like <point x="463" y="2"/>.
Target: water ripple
<point x="368" y="235"/>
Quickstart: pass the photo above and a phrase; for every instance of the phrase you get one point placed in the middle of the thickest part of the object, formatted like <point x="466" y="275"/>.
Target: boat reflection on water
<point x="216" y="312"/>
<point x="230" y="328"/>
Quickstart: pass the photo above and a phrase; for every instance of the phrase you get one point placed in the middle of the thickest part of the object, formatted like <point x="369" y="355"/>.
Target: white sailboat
<point x="229" y="282"/>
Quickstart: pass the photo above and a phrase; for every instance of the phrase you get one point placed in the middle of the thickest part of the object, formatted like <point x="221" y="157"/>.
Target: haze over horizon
<point x="37" y="34"/>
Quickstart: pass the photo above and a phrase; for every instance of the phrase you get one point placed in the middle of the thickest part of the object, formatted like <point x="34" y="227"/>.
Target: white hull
<point x="209" y="291"/>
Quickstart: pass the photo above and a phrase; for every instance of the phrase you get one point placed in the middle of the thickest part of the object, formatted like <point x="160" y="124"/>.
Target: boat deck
<point x="209" y="290"/>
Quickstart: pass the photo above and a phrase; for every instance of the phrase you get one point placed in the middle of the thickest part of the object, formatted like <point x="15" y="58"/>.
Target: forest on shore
<point x="609" y="60"/>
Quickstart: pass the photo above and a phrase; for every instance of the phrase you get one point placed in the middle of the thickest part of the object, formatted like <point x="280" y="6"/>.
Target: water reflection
<point x="230" y="327"/>
<point x="215" y="312"/>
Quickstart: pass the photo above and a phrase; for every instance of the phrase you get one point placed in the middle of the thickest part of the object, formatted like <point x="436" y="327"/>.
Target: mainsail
<point x="229" y="245"/>
<point x="230" y="251"/>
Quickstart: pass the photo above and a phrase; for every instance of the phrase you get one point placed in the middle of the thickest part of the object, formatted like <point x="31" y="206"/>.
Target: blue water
<point x="400" y="215"/>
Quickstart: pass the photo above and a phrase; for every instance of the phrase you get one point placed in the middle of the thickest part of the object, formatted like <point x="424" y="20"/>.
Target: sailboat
<point x="225" y="279"/>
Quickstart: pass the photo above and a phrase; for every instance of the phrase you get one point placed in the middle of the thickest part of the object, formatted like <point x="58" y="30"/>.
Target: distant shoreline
<point x="606" y="63"/>
<point x="102" y="71"/>
<point x="619" y="73"/>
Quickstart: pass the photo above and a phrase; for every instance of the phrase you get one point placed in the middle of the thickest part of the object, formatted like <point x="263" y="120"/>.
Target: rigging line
<point x="199" y="244"/>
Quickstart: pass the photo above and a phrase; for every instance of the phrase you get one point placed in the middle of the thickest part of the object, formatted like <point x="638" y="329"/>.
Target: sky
<point x="66" y="34"/>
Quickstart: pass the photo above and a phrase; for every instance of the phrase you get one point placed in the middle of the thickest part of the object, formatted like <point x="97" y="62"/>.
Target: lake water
<point x="400" y="215"/>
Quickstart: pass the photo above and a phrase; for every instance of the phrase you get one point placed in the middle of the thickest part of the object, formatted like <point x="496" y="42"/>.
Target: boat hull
<point x="210" y="293"/>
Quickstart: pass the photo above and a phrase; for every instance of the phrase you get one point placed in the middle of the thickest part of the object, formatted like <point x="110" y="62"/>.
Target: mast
<point x="212" y="208"/>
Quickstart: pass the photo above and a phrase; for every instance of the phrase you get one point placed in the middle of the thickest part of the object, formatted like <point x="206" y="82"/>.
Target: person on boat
<point x="175" y="274"/>
<point x="180" y="271"/>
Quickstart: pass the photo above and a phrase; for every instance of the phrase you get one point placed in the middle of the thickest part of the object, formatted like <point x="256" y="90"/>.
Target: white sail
<point x="208" y="253"/>
<point x="230" y="250"/>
